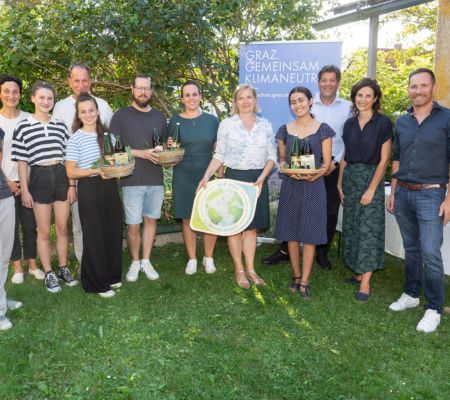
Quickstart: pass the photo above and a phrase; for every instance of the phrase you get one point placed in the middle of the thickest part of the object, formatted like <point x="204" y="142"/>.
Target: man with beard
<point x="143" y="191"/>
<point x="419" y="197"/>
<point x="80" y="82"/>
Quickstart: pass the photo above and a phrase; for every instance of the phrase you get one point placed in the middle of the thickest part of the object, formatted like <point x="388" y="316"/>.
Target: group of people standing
<point x="50" y="163"/>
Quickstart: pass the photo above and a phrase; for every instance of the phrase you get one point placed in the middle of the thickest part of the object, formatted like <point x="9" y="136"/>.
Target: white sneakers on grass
<point x="5" y="323"/>
<point x="429" y="322"/>
<point x="107" y="294"/>
<point x="191" y="267"/>
<point x="208" y="263"/>
<point x="404" y="302"/>
<point x="18" y="277"/>
<point x="133" y="271"/>
<point x="37" y="273"/>
<point x="144" y="266"/>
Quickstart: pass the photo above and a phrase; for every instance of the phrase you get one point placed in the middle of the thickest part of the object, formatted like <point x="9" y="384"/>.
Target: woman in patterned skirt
<point x="246" y="146"/>
<point x="302" y="207"/>
<point x="368" y="139"/>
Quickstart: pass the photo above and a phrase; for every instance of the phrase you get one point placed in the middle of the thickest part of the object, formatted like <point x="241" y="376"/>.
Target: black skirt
<point x="261" y="220"/>
<point x="101" y="221"/>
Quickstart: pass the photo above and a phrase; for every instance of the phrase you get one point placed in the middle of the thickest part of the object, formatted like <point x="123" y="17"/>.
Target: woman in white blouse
<point x="246" y="146"/>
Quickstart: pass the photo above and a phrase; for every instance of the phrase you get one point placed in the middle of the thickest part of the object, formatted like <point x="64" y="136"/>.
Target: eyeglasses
<point x="142" y="89"/>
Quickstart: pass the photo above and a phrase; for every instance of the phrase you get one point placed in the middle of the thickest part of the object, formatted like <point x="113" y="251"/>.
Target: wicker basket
<point x="170" y="158"/>
<point x="118" y="171"/>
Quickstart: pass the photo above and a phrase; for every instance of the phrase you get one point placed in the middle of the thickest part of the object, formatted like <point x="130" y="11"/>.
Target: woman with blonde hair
<point x="246" y="147"/>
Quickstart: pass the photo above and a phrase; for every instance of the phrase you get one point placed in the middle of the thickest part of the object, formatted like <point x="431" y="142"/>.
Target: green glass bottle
<point x="295" y="153"/>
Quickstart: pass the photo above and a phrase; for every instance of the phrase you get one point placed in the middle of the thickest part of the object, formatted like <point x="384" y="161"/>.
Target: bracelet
<point x="73" y="186"/>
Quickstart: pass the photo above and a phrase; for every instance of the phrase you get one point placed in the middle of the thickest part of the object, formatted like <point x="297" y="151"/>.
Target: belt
<point x="420" y="186"/>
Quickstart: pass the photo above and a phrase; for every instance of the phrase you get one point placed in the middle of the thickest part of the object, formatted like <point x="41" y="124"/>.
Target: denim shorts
<point x="48" y="183"/>
<point x="139" y="201"/>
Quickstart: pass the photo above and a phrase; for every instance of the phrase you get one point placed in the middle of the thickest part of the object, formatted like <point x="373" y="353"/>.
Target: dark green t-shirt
<point x="135" y="129"/>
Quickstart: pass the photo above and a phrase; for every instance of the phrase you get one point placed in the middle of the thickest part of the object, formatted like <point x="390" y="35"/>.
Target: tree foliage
<point x="171" y="40"/>
<point x="394" y="66"/>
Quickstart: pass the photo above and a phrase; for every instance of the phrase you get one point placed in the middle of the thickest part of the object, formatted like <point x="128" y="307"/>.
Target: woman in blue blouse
<point x="99" y="202"/>
<point x="368" y="139"/>
<point x="246" y="146"/>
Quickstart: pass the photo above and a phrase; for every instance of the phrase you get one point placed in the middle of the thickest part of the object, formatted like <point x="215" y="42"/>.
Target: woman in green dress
<point x="198" y="132"/>
<point x="367" y="138"/>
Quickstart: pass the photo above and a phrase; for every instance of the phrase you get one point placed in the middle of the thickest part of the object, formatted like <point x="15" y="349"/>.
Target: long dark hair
<point x="305" y="91"/>
<point x="78" y="124"/>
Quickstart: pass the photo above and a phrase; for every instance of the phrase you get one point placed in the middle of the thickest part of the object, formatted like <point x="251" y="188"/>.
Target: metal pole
<point x="373" y="47"/>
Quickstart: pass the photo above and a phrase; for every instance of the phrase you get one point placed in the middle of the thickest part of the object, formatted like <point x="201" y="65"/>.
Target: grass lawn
<point x="202" y="337"/>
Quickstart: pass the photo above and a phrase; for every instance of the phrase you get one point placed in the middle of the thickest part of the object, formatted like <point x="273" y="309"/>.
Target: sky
<point x="356" y="35"/>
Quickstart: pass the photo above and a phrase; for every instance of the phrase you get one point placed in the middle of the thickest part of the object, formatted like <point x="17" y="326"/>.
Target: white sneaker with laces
<point x="17" y="278"/>
<point x="107" y="294"/>
<point x="133" y="272"/>
<point x="191" y="267"/>
<point x="404" y="302"/>
<point x="12" y="304"/>
<point x="208" y="263"/>
<point x="5" y="323"/>
<point x="429" y="322"/>
<point x="37" y="273"/>
<point x="148" y="269"/>
<point x="116" y="285"/>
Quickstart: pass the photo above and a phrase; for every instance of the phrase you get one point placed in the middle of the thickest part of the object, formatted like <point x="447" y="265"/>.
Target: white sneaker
<point x="37" y="273"/>
<point x="108" y="294"/>
<point x="404" y="302"/>
<point x="429" y="322"/>
<point x="116" y="285"/>
<point x="17" y="278"/>
<point x="148" y="269"/>
<point x="133" y="272"/>
<point x="208" y="263"/>
<point x="5" y="323"/>
<point x="191" y="267"/>
<point x="12" y="304"/>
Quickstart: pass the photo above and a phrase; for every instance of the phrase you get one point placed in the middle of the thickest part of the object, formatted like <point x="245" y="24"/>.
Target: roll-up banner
<point x="273" y="69"/>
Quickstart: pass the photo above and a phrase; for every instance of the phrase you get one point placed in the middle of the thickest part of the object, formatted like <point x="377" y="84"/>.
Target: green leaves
<point x="174" y="40"/>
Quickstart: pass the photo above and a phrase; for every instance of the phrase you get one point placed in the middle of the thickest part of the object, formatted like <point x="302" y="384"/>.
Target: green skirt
<point x="362" y="226"/>
<point x="261" y="220"/>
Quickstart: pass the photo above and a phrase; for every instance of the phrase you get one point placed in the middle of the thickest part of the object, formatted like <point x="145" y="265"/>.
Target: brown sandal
<point x="241" y="279"/>
<point x="253" y="276"/>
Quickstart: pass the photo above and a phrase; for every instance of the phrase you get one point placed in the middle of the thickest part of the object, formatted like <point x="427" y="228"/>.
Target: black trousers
<point x="333" y="203"/>
<point x="25" y="220"/>
<point x="101" y="220"/>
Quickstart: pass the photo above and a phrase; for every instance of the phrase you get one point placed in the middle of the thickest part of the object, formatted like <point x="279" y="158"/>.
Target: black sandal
<point x="294" y="286"/>
<point x="306" y="293"/>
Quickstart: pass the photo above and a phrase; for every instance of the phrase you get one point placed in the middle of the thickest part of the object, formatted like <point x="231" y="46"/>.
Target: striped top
<point x="35" y="142"/>
<point x="83" y="148"/>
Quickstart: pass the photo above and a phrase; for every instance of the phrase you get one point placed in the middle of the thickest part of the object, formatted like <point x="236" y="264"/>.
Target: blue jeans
<point x="422" y="230"/>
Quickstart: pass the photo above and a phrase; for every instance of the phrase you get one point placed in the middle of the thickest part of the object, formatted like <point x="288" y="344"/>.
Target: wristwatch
<point x="336" y="164"/>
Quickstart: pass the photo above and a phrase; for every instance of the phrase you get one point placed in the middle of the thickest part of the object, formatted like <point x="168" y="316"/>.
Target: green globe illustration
<point x="224" y="207"/>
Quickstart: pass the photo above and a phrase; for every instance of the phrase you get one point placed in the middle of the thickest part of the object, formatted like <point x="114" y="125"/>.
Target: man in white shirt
<point x="327" y="107"/>
<point x="80" y="82"/>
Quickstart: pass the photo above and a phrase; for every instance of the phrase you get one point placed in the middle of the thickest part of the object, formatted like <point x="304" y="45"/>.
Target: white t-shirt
<point x="65" y="111"/>
<point x="8" y="125"/>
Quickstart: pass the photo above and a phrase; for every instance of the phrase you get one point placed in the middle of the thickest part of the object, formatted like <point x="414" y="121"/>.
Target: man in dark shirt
<point x="143" y="191"/>
<point x="420" y="172"/>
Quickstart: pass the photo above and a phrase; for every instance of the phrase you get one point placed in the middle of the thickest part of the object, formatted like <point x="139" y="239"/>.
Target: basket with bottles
<point x="117" y="161"/>
<point x="174" y="153"/>
<point x="302" y="161"/>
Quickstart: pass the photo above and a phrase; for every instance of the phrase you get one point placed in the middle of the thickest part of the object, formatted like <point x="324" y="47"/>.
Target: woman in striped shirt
<point x="39" y="142"/>
<point x="98" y="200"/>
